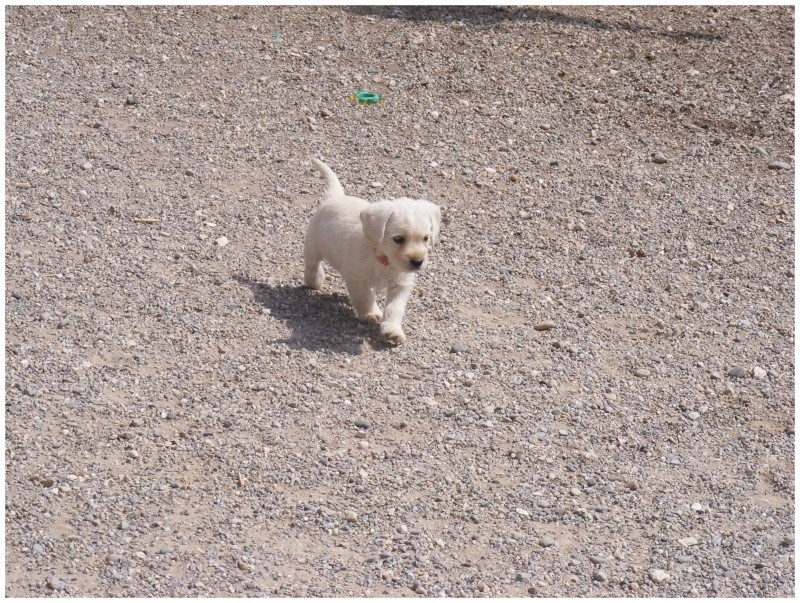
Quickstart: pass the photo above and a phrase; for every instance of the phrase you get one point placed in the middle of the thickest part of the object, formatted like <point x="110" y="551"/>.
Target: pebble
<point x="597" y="559"/>
<point x="326" y="113"/>
<point x="759" y="373"/>
<point x="23" y="185"/>
<point x="131" y="101"/>
<point x="351" y="516"/>
<point x="190" y="172"/>
<point x="56" y="584"/>
<point x="737" y="372"/>
<point x="87" y="166"/>
<point x="458" y="348"/>
<point x="362" y="424"/>
<point x="222" y="241"/>
<point x="779" y="165"/>
<point x="546" y="541"/>
<point x="544" y="326"/>
<point x="523" y="577"/>
<point x="599" y="576"/>
<point x="166" y="550"/>
<point x="659" y="158"/>
<point x="658" y="576"/>
<point x="376" y="184"/>
<point x="643" y="373"/>
<point x="689" y="541"/>
<point x="38" y="548"/>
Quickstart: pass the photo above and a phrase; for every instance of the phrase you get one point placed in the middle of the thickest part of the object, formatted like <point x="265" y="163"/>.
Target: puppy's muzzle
<point x="416" y="264"/>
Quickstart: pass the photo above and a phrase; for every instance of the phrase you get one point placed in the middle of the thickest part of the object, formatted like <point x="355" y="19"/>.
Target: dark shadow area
<point x="487" y="16"/>
<point x="318" y="320"/>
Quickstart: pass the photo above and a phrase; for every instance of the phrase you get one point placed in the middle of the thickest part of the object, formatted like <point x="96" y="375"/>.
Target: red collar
<point x="382" y="259"/>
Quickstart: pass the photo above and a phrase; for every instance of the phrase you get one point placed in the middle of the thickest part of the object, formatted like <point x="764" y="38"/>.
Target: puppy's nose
<point x="416" y="264"/>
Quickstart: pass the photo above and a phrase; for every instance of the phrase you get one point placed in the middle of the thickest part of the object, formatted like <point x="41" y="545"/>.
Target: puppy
<point x="374" y="246"/>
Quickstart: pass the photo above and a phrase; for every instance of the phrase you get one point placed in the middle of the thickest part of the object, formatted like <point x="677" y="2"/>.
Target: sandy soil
<point x="183" y="418"/>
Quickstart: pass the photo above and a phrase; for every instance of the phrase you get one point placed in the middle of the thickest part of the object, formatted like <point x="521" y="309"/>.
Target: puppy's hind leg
<point x="314" y="273"/>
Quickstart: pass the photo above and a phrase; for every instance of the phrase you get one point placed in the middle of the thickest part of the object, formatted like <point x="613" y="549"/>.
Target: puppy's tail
<point x="334" y="186"/>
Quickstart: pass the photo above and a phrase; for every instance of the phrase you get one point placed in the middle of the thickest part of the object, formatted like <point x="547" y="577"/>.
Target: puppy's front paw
<point x="393" y="333"/>
<point x="373" y="317"/>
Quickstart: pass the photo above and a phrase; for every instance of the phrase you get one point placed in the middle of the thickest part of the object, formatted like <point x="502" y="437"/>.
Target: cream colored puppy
<point x="374" y="246"/>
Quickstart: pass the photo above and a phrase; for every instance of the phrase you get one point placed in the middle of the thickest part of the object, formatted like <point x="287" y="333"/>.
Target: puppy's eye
<point x="399" y="240"/>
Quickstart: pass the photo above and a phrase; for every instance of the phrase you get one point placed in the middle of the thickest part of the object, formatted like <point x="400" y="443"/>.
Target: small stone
<point x="633" y="586"/>
<point x="190" y="172"/>
<point x="65" y="488"/>
<point x="56" y="584"/>
<point x="131" y="101"/>
<point x="546" y="541"/>
<point x="658" y="576"/>
<point x="696" y="506"/>
<point x="362" y="424"/>
<point x="522" y="512"/>
<point x="351" y="516"/>
<point x="632" y="485"/>
<point x="523" y="577"/>
<point x="23" y="185"/>
<point x="113" y="558"/>
<point x="643" y="373"/>
<point x="48" y="482"/>
<point x="759" y="373"/>
<point x="597" y="559"/>
<point x="599" y="576"/>
<point x="788" y="540"/>
<point x="87" y="166"/>
<point x="544" y="326"/>
<point x="134" y="500"/>
<point x="165" y="550"/>
<point x="222" y="241"/>
<point x="689" y="541"/>
<point x="659" y="157"/>
<point x="325" y="113"/>
<point x="376" y="185"/>
<point x="737" y="372"/>
<point x="458" y="348"/>
<point x="779" y="165"/>
<point x="133" y="454"/>
<point x="694" y="415"/>
<point x="38" y="548"/>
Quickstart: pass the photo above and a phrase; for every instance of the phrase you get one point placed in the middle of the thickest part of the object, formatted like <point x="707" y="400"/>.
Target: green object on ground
<point x="363" y="97"/>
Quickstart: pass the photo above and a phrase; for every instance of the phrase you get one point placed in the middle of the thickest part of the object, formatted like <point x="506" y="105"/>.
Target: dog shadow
<point x="319" y="321"/>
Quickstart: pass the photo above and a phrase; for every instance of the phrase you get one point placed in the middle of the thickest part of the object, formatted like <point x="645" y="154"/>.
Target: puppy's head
<point x="403" y="230"/>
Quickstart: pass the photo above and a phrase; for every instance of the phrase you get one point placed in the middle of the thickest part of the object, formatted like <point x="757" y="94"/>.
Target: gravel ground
<point x="596" y="398"/>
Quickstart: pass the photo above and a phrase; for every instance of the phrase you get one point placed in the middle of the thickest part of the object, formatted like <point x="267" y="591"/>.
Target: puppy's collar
<point x="382" y="259"/>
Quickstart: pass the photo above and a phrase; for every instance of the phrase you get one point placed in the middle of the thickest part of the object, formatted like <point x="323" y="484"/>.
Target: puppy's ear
<point x="374" y="219"/>
<point x="436" y="220"/>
